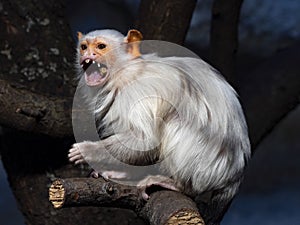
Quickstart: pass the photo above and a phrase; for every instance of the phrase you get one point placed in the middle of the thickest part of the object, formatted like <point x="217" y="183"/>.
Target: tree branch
<point x="224" y="36"/>
<point x="270" y="92"/>
<point x="167" y="20"/>
<point x="25" y="110"/>
<point x="163" y="207"/>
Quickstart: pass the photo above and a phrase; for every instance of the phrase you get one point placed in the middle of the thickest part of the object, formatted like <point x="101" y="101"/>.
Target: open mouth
<point x="94" y="72"/>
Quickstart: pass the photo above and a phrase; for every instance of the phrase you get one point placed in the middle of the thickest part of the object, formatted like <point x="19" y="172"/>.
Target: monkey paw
<point x="154" y="182"/>
<point x="75" y="155"/>
<point x="81" y="152"/>
<point x="109" y="174"/>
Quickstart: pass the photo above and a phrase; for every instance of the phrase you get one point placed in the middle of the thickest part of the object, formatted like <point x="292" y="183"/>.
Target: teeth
<point x="87" y="60"/>
<point x="99" y="65"/>
<point x="81" y="65"/>
<point x="103" y="70"/>
<point x="94" y="62"/>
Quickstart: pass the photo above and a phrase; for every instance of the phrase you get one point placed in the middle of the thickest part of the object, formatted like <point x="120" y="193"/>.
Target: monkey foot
<point x="150" y="183"/>
<point x="110" y="174"/>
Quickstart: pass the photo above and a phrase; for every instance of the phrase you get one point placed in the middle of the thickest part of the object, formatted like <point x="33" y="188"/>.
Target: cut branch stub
<point x="57" y="194"/>
<point x="185" y="217"/>
<point x="171" y="208"/>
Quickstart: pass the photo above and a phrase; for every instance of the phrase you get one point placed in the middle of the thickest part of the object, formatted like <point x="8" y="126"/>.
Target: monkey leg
<point x="150" y="182"/>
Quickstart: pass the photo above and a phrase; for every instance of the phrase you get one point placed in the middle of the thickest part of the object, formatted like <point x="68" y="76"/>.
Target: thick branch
<point x="167" y="20"/>
<point x="224" y="36"/>
<point x="25" y="110"/>
<point x="270" y="92"/>
<point x="164" y="207"/>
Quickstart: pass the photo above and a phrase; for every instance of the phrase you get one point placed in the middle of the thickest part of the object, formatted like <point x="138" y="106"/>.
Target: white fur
<point x="183" y="108"/>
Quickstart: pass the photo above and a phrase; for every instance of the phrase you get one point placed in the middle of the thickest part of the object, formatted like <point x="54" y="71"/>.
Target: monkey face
<point x="93" y="60"/>
<point x="100" y="51"/>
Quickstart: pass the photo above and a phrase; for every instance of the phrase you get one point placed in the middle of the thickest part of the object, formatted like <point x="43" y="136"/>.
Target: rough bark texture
<point x="166" y="20"/>
<point x="171" y="208"/>
<point x="36" y="46"/>
<point x="26" y="110"/>
<point x="164" y="207"/>
<point x="224" y="36"/>
<point x="270" y="92"/>
<point x="93" y="192"/>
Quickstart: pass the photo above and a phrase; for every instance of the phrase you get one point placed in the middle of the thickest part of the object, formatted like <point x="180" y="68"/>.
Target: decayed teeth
<point x="103" y="70"/>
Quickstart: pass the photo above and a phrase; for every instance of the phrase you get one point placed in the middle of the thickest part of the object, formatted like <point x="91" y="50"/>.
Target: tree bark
<point x="270" y="92"/>
<point x="224" y="36"/>
<point x="26" y="110"/>
<point x="37" y="47"/>
<point x="163" y="207"/>
<point x="166" y="20"/>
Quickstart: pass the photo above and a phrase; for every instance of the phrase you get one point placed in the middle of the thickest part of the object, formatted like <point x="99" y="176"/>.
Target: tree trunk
<point x="36" y="47"/>
<point x="270" y="92"/>
<point x="224" y="36"/>
<point x="166" y="20"/>
<point x="33" y="112"/>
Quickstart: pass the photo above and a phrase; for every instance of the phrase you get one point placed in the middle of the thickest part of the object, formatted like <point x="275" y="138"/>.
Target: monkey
<point x="178" y="111"/>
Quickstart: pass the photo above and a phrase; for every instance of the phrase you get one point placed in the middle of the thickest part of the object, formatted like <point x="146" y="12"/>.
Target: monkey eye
<point x="102" y="46"/>
<point x="83" y="47"/>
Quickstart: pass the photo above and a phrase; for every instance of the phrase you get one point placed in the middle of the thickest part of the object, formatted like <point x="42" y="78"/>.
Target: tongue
<point x="94" y="77"/>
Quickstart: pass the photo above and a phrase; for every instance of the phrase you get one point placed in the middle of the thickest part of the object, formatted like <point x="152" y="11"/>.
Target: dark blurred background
<point x="270" y="193"/>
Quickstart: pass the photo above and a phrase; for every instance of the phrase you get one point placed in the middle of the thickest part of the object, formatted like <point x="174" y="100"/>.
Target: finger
<point x="70" y="155"/>
<point x="73" y="149"/>
<point x="79" y="161"/>
<point x="75" y="158"/>
<point x="145" y="195"/>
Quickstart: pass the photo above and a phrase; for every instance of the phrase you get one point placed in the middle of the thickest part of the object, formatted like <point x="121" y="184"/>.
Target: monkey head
<point x="99" y="51"/>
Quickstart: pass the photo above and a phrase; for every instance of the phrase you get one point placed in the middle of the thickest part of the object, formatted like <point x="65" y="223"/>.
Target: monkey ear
<point x="133" y="35"/>
<point x="79" y="35"/>
<point x="133" y="38"/>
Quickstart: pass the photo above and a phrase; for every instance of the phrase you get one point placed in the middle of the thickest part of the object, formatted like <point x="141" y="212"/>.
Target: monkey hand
<point x="109" y="174"/>
<point x="151" y="183"/>
<point x="88" y="151"/>
<point x="82" y="152"/>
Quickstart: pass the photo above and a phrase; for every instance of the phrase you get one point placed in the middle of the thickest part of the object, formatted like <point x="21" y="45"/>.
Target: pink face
<point x="91" y="52"/>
